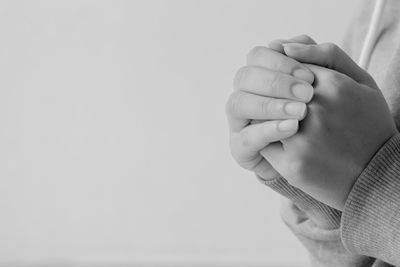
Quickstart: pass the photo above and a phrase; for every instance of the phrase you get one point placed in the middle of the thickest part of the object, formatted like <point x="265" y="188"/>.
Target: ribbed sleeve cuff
<point x="371" y="217"/>
<point x="322" y="215"/>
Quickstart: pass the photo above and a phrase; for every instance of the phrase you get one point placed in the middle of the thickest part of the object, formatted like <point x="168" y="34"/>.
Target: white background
<point x="113" y="138"/>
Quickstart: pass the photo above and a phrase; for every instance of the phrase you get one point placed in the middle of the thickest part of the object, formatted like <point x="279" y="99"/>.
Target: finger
<point x="255" y="137"/>
<point x="265" y="171"/>
<point x="328" y="78"/>
<point x="330" y="56"/>
<point x="274" y="154"/>
<point x="275" y="61"/>
<point x="242" y="107"/>
<point x="302" y="39"/>
<point x="269" y="83"/>
<point x="256" y="121"/>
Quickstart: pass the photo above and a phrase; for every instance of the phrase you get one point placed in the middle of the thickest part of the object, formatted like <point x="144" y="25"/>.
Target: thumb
<point x="330" y="56"/>
<point x="302" y="39"/>
<point x="274" y="154"/>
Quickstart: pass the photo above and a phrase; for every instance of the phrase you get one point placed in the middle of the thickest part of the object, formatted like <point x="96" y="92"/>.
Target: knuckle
<point x="338" y="82"/>
<point x="244" y="138"/>
<point x="271" y="107"/>
<point x="317" y="117"/>
<point x="331" y="76"/>
<point x="275" y="83"/>
<point x="239" y="77"/>
<point x="282" y="65"/>
<point x="255" y="52"/>
<point x="314" y="109"/>
<point x="306" y="38"/>
<point x="242" y="158"/>
<point x="265" y="106"/>
<point x="233" y="103"/>
<point x="276" y="45"/>
<point x="341" y="82"/>
<point x="331" y="49"/>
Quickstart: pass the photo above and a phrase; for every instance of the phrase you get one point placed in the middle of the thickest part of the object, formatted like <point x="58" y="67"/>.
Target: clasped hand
<point x="309" y="113"/>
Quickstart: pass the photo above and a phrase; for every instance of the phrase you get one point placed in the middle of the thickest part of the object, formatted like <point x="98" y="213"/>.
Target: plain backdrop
<point x="113" y="137"/>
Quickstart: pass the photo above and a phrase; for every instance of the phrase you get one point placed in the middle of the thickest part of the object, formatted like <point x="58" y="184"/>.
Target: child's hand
<point x="348" y="121"/>
<point x="271" y="91"/>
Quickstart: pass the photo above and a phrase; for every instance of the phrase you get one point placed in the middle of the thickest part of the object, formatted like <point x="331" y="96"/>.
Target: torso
<point x="384" y="64"/>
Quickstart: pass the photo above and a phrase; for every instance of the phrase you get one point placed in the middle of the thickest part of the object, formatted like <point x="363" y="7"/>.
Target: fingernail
<point x="304" y="75"/>
<point x="287" y="46"/>
<point x="295" y="109"/>
<point x="288" y="125"/>
<point x="303" y="91"/>
<point x="275" y="45"/>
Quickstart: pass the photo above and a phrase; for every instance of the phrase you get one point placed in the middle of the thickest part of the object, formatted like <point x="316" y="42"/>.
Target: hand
<point x="348" y="121"/>
<point x="269" y="99"/>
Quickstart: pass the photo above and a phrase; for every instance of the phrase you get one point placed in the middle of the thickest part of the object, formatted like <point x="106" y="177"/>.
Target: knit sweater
<point x="367" y="232"/>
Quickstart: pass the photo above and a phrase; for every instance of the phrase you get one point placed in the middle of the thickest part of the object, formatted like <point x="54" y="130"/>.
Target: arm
<point x="322" y="220"/>
<point x="370" y="201"/>
<point x="317" y="226"/>
<point x="371" y="216"/>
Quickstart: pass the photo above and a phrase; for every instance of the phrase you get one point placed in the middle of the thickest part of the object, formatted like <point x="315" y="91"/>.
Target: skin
<point x="253" y="115"/>
<point x="347" y="121"/>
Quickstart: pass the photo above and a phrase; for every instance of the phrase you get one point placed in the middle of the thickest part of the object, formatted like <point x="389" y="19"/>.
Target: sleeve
<point x="322" y="215"/>
<point x="370" y="224"/>
<point x="316" y="225"/>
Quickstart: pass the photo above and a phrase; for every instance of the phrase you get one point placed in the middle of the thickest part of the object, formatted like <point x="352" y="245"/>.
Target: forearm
<point x="324" y="245"/>
<point x="370" y="223"/>
<point x="371" y="218"/>
<point x="322" y="215"/>
<point x="316" y="225"/>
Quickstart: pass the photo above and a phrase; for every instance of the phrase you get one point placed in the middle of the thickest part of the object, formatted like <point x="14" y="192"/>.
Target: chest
<point x="385" y="68"/>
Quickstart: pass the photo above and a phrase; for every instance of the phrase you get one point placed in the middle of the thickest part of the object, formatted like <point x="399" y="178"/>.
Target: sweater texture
<point x="367" y="232"/>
